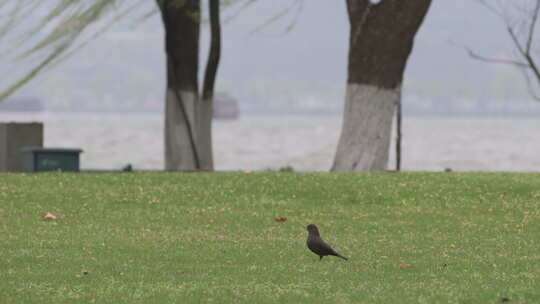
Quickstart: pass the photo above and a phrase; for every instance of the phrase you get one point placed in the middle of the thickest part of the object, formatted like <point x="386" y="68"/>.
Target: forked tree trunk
<point x="188" y="118"/>
<point x="182" y="31"/>
<point x="381" y="39"/>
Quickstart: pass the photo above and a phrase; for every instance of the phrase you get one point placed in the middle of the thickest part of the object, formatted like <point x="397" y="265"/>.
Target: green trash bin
<point x="38" y="159"/>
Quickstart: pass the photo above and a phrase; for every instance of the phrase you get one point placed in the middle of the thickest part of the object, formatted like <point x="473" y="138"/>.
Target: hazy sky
<point x="305" y="65"/>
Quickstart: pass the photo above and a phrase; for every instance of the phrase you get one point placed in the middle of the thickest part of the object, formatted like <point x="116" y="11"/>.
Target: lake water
<point x="306" y="143"/>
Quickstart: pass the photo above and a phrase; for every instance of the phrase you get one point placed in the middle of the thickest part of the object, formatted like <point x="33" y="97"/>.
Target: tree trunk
<point x="399" y="116"/>
<point x="205" y="111"/>
<point x="181" y="21"/>
<point x="381" y="39"/>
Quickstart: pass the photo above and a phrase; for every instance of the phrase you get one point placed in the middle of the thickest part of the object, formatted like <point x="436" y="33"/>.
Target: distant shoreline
<point x="427" y="115"/>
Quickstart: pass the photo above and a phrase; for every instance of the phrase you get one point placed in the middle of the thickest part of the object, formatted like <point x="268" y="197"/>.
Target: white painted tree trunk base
<point x="204" y="134"/>
<point x="367" y="123"/>
<point x="179" y="150"/>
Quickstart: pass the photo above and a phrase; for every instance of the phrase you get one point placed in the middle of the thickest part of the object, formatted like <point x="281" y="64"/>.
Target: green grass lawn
<point x="198" y="238"/>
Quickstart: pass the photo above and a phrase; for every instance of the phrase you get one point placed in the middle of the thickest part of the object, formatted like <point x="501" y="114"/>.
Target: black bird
<point x="316" y="244"/>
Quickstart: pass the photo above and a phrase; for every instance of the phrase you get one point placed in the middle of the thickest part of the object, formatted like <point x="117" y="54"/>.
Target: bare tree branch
<point x="532" y="27"/>
<point x="496" y="60"/>
<point x="530" y="86"/>
<point x="298" y="4"/>
<point x="21" y="82"/>
<point x="533" y="66"/>
<point x="524" y="30"/>
<point x="526" y="55"/>
<point x="515" y="39"/>
<point x="67" y="20"/>
<point x="492" y="8"/>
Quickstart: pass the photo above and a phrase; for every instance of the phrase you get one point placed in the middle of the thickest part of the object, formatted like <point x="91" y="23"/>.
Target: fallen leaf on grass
<point x="280" y="219"/>
<point x="49" y="216"/>
<point x="405" y="265"/>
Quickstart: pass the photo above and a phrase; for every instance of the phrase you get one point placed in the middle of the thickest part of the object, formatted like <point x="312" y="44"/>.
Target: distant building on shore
<point x="225" y="107"/>
<point x="22" y="104"/>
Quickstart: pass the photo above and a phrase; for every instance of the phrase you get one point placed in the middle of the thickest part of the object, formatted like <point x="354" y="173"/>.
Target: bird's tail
<point x="340" y="256"/>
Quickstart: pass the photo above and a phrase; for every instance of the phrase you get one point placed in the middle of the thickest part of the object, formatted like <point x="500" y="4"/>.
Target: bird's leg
<point x="320" y="258"/>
